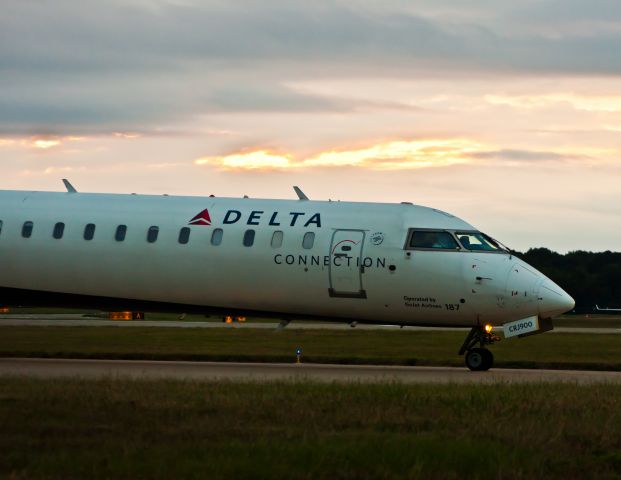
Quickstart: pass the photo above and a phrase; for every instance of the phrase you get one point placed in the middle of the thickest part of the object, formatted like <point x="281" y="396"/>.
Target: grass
<point x="589" y="321"/>
<point x="115" y="428"/>
<point x="401" y="347"/>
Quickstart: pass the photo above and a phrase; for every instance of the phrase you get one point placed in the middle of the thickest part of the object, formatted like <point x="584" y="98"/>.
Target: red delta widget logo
<point x="202" y="218"/>
<point x="257" y="217"/>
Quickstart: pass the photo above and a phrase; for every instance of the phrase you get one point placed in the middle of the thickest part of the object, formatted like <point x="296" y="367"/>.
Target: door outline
<point x="361" y="292"/>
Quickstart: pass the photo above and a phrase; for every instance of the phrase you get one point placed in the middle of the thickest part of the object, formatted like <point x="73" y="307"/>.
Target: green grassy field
<point x="69" y="429"/>
<point x="589" y="321"/>
<point x="401" y="347"/>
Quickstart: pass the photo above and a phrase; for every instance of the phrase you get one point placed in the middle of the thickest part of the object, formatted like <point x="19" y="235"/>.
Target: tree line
<point x="590" y="278"/>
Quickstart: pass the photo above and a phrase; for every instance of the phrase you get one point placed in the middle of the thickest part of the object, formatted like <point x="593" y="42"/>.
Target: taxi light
<point x="120" y="315"/>
<point x="240" y="319"/>
<point x="488" y="328"/>
<point x="228" y="319"/>
<point x="4" y="309"/>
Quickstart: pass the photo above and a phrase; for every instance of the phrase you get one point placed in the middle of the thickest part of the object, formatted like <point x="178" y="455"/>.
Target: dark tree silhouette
<point x="591" y="278"/>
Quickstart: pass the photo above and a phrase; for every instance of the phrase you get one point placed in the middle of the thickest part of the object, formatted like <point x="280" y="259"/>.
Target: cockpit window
<point x="477" y="241"/>
<point x="440" y="240"/>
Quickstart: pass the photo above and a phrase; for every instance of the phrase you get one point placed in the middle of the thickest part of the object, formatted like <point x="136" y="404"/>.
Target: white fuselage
<point x="337" y="260"/>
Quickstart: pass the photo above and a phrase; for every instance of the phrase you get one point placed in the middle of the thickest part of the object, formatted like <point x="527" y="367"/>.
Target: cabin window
<point x="248" y="238"/>
<point x="432" y="240"/>
<point x="216" y="236"/>
<point x="477" y="241"/>
<point x="121" y="231"/>
<point x="89" y="231"/>
<point x="59" y="230"/>
<point x="0" y="226"/>
<point x="277" y="237"/>
<point x="152" y="234"/>
<point x="27" y="229"/>
<point x="184" y="235"/>
<point x="309" y="240"/>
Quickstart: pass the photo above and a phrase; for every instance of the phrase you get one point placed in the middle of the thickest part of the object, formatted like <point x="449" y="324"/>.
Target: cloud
<point x="39" y="142"/>
<point x="527" y="156"/>
<point x="589" y="103"/>
<point x="250" y="160"/>
<point x="404" y="155"/>
<point x="276" y="98"/>
<point x="70" y="67"/>
<point x="560" y="13"/>
<point x="395" y="155"/>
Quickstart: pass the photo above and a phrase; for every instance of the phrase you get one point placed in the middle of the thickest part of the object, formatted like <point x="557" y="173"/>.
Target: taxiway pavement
<point x="262" y="372"/>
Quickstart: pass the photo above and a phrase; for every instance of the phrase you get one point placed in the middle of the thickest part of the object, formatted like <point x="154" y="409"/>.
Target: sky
<point x="506" y="114"/>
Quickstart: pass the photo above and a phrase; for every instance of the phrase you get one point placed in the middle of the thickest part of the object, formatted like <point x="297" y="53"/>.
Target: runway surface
<point x="261" y="372"/>
<point x="78" y="320"/>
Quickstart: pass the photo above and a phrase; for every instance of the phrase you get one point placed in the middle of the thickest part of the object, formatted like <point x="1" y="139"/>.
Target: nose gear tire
<point x="479" y="359"/>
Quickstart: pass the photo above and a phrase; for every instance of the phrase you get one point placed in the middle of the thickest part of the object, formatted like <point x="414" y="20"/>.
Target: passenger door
<point x="345" y="269"/>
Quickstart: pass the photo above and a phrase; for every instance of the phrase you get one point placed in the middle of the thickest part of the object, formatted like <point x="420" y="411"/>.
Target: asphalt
<point x="78" y="320"/>
<point x="265" y="372"/>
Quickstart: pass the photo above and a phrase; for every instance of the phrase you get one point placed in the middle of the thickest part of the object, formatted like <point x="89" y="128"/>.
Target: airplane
<point x="400" y="264"/>
<point x="597" y="309"/>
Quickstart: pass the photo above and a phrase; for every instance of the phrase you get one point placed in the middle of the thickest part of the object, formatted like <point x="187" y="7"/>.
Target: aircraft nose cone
<point x="553" y="300"/>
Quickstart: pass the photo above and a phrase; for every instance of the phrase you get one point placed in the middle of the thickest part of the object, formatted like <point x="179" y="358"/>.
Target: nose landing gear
<point x="480" y="358"/>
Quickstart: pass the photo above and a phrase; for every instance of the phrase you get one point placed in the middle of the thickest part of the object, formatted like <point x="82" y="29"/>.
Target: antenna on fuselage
<point x="70" y="188"/>
<point x="300" y="193"/>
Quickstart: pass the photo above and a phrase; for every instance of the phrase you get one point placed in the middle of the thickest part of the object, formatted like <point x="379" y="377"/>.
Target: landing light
<point x="488" y="328"/>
